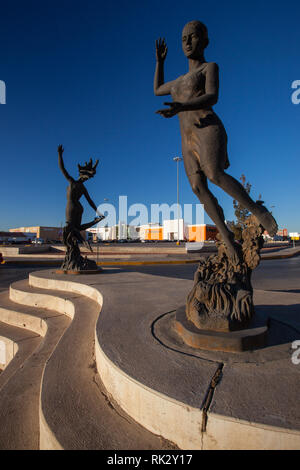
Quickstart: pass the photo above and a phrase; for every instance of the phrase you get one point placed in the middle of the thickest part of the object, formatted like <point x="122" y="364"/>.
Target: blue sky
<point x="81" y="74"/>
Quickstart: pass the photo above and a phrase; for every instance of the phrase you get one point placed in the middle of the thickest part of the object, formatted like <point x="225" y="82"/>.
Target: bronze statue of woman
<point x="204" y="139"/>
<point x="74" y="210"/>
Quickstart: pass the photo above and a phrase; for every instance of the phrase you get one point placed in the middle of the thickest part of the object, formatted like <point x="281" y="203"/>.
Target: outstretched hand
<point x="161" y="49"/>
<point x="175" y="108"/>
<point x="60" y="149"/>
<point x="99" y="218"/>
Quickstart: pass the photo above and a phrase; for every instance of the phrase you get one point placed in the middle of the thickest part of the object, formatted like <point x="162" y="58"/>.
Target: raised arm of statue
<point x="60" y="150"/>
<point x="160" y="87"/>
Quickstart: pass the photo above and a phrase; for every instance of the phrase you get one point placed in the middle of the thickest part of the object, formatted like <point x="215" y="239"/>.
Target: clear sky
<point x="80" y="73"/>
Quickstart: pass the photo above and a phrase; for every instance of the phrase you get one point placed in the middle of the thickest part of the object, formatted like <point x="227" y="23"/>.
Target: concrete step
<point x="16" y="345"/>
<point x="20" y="382"/>
<point x="76" y="412"/>
<point x="55" y="399"/>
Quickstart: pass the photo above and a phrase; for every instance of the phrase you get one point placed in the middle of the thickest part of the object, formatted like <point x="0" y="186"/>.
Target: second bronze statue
<point x="73" y="261"/>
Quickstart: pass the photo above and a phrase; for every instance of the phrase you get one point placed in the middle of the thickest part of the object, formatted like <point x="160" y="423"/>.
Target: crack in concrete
<point x="209" y="396"/>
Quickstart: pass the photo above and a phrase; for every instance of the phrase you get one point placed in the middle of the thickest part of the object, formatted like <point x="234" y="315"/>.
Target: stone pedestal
<point x="252" y="337"/>
<point x="222" y="296"/>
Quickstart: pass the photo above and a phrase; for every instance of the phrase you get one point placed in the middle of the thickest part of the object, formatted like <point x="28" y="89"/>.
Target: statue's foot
<point x="268" y="222"/>
<point x="233" y="250"/>
<point x="233" y="254"/>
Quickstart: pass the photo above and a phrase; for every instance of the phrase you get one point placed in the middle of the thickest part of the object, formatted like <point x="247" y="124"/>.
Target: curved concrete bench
<point x="158" y="412"/>
<point x="56" y="400"/>
<point x="71" y="408"/>
<point x="72" y="395"/>
<point x="38" y="329"/>
<point x="16" y="344"/>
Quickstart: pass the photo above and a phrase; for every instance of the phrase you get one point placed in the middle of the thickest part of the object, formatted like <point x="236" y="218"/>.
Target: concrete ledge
<point x="158" y="413"/>
<point x="223" y="433"/>
<point x="18" y="345"/>
<point x="161" y="414"/>
<point x="37" y="331"/>
<point x="8" y="349"/>
<point x="126" y="341"/>
<point x="20" y="250"/>
<point x="28" y="261"/>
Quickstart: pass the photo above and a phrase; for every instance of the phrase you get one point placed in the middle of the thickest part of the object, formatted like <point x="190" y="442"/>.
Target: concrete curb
<point x="136" y="263"/>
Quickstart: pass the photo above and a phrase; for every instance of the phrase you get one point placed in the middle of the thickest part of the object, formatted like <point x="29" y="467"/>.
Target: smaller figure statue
<point x="71" y="234"/>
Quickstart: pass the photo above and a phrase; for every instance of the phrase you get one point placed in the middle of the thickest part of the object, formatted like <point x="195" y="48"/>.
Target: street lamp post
<point x="177" y="159"/>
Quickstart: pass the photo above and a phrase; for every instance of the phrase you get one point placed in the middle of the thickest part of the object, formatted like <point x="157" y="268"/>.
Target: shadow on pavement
<point x="284" y="322"/>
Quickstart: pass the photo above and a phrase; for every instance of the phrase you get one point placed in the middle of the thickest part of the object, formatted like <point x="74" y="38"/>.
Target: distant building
<point x="102" y="233"/>
<point x="174" y="230"/>
<point x="17" y="237"/>
<point x="151" y="232"/>
<point x="202" y="233"/>
<point x="155" y="232"/>
<point x="281" y="234"/>
<point x="294" y="235"/>
<point x="46" y="233"/>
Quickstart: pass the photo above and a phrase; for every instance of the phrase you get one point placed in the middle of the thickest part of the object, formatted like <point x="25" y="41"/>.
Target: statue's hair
<point x="201" y="29"/>
<point x="88" y="169"/>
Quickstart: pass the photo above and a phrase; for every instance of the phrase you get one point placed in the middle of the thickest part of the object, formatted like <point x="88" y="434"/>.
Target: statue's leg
<point x="198" y="182"/>
<point x="232" y="187"/>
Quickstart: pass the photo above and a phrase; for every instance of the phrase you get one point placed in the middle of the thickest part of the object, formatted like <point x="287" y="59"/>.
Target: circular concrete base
<point x="91" y="271"/>
<point x="252" y="337"/>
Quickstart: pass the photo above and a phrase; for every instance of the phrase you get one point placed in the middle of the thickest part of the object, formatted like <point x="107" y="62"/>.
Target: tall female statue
<point x="204" y="139"/>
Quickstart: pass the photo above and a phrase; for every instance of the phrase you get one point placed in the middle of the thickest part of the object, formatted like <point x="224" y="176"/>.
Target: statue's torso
<point x="204" y="139"/>
<point x="188" y="87"/>
<point x="74" y="191"/>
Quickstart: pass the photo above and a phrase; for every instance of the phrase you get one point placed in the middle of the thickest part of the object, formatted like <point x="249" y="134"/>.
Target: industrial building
<point x="46" y="233"/>
<point x="17" y="237"/>
<point x="169" y="231"/>
<point x="202" y="233"/>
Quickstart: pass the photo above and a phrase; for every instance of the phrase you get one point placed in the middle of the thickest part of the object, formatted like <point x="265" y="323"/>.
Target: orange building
<point x="202" y="233"/>
<point x="154" y="233"/>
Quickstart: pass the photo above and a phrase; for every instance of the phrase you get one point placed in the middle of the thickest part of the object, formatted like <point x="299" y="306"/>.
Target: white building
<point x="173" y="228"/>
<point x="103" y="233"/>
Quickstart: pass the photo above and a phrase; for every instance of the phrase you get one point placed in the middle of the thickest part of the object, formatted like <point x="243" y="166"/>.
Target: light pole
<point x="177" y="159"/>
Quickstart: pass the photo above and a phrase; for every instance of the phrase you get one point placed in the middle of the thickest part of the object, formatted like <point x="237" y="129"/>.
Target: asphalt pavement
<point x="279" y="275"/>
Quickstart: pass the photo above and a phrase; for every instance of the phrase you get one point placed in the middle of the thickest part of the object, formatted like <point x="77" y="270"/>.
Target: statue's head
<point x="88" y="170"/>
<point x="194" y="39"/>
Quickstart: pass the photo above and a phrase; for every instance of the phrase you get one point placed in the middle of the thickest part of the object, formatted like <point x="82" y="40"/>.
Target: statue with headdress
<point x="72" y="232"/>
